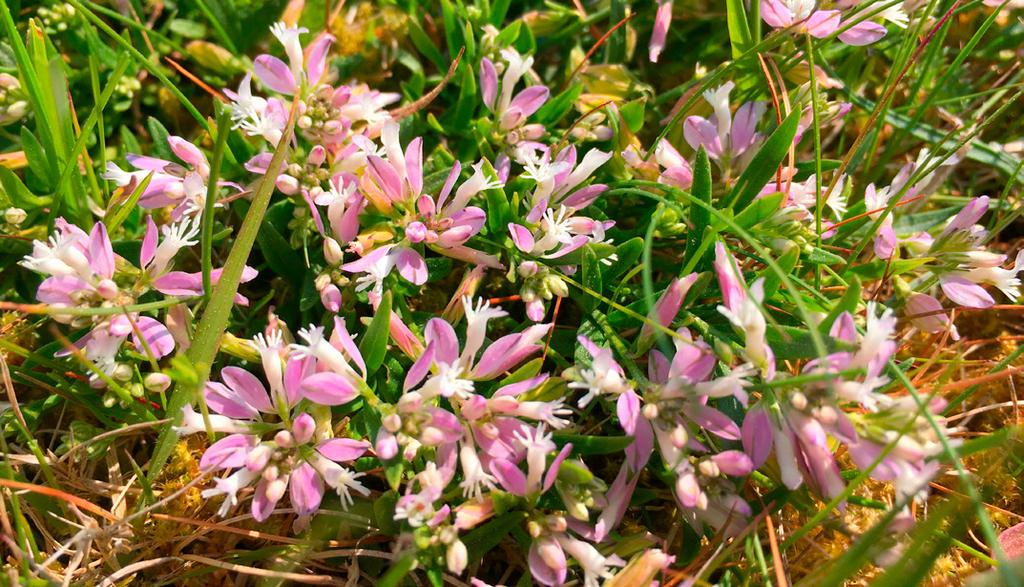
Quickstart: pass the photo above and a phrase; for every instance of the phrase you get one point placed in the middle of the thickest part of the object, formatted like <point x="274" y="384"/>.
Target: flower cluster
<point x="669" y="327"/>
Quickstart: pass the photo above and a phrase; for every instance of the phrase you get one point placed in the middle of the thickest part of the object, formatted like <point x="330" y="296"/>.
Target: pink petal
<point x="58" y="289"/>
<point x="316" y="57"/>
<point x="521" y="236"/>
<point x="965" y="293"/>
<point x="248" y="388"/>
<point x="227" y="453"/>
<point x="509" y="476"/>
<point x="699" y="131"/>
<point x="662" y="22"/>
<point x="734" y="463"/>
<point x="488" y="82"/>
<point x="156" y="335"/>
<point x="414" y="166"/>
<point x="274" y="73"/>
<point x="822" y="23"/>
<point x="186" y="151"/>
<point x="148" y="250"/>
<point x="226" y="402"/>
<point x="340" y="338"/>
<point x="306" y="489"/>
<point x="101" y="254"/>
<point x="262" y="506"/>
<point x="776" y="13"/>
<point x="411" y="266"/>
<point x="441" y="334"/>
<point x="862" y="33"/>
<point x="329" y="389"/>
<point x="343" y="449"/>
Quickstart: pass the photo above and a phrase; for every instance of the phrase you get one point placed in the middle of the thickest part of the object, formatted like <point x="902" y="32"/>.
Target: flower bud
<point x="650" y="411"/>
<point x="276" y="488"/>
<point x="392" y="423"/>
<point x="416" y="232"/>
<point x="107" y="288"/>
<point x="333" y="252"/>
<point x="258" y="458"/>
<point x="708" y="468"/>
<point x="528" y="268"/>
<point x="678" y="436"/>
<point x="798" y="400"/>
<point x="457" y="557"/>
<point x="303" y="428"/>
<point x="157" y="382"/>
<point x="284" y="439"/>
<point x="557" y="286"/>
<point x="14" y="216"/>
<point x="122" y="372"/>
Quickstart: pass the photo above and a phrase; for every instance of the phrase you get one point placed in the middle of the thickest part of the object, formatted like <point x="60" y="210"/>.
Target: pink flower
<point x="171" y="184"/>
<point x="296" y="455"/>
<point x="725" y="137"/>
<point x="512" y="112"/>
<point x="662" y="22"/>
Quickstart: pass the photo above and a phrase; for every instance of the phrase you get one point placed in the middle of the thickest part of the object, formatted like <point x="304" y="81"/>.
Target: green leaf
<point x="375" y="342"/>
<point x="217" y="312"/>
<point x="601" y="250"/>
<point x="384" y="512"/>
<point x="787" y="261"/>
<point x="876" y="269"/>
<point x="462" y="113"/>
<point x="523" y="373"/>
<point x="279" y="254"/>
<point x="481" y="540"/>
<point x="160" y="148"/>
<point x="38" y="161"/>
<point x="571" y="471"/>
<point x="398" y="570"/>
<point x="628" y="252"/>
<point x="18" y="194"/>
<point x="765" y="163"/>
<point x="739" y="31"/>
<point x="822" y="257"/>
<point x="124" y="209"/>
<point x="848" y="303"/>
<point x="452" y="32"/>
<point x="700" y="216"/>
<point x="556" y="108"/>
<point x="393" y="471"/>
<point x="760" y="210"/>
<point x="591" y="278"/>
<point x="633" y="114"/>
<point x="593" y="445"/>
<point x="425" y="45"/>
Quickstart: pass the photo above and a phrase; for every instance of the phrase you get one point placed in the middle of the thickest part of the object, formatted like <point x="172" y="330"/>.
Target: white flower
<point x="289" y="39"/>
<point x="719" y="100"/>
<point x="594" y="565"/>
<point x="475" y="478"/>
<point x="477" y="317"/>
<point x="229" y="486"/>
<point x="604" y="377"/>
<point x="176" y="237"/>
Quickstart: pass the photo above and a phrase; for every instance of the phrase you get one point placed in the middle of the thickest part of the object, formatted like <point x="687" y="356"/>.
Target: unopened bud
<point x="333" y="252"/>
<point x="14" y="216"/>
<point x="284" y="439"/>
<point x="650" y="411"/>
<point x="392" y="423"/>
<point x="798" y="400"/>
<point x="107" y="288"/>
<point x="122" y="372"/>
<point x="708" y="468"/>
<point x="157" y="382"/>
<point x="678" y="436"/>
